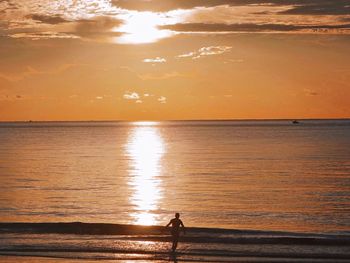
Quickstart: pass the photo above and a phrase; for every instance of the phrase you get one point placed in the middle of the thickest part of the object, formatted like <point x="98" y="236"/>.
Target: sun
<point x="142" y="28"/>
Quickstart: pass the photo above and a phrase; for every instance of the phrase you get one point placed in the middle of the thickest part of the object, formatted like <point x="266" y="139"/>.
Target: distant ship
<point x="295" y="122"/>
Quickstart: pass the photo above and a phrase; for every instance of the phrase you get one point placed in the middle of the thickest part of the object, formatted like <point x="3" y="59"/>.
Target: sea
<point x="246" y="190"/>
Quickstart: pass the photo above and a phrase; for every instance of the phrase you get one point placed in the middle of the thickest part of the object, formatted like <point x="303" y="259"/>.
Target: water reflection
<point x="145" y="148"/>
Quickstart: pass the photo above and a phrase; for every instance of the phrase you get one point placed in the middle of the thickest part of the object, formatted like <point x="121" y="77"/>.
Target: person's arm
<point x="183" y="227"/>
<point x="169" y="224"/>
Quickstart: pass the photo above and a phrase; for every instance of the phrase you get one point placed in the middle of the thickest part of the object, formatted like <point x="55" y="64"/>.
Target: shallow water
<point x="268" y="175"/>
<point x="127" y="242"/>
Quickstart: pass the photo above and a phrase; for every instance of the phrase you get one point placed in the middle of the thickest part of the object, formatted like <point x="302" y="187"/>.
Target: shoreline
<point x="241" y="259"/>
<point x="81" y="242"/>
<point x="120" y="229"/>
<point x="197" y="234"/>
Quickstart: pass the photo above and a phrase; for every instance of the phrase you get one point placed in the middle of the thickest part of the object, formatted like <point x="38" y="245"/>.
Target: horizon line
<point x="168" y="120"/>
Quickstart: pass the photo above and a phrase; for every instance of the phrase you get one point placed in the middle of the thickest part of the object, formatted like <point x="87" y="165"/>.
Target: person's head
<point x="177" y="215"/>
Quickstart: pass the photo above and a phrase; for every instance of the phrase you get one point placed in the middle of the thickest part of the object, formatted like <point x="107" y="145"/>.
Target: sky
<point x="172" y="60"/>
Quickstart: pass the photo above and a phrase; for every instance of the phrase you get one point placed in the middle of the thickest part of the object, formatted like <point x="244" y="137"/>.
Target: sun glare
<point x="142" y="28"/>
<point x="145" y="149"/>
<point x="145" y="123"/>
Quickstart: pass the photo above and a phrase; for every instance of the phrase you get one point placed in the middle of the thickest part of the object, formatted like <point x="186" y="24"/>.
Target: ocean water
<point x="245" y="175"/>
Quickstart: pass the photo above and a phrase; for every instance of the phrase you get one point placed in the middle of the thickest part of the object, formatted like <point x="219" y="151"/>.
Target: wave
<point x="193" y="234"/>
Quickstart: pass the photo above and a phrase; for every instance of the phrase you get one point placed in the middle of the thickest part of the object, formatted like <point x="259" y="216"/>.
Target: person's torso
<point x="176" y="223"/>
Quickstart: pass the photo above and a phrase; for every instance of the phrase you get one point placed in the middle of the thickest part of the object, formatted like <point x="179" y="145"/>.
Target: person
<point x="175" y="229"/>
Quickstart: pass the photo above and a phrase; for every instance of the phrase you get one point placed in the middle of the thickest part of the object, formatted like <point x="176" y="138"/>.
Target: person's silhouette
<point x="175" y="229"/>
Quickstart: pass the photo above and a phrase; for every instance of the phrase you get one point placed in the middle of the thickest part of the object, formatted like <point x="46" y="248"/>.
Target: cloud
<point x="98" y="27"/>
<point x="71" y="10"/>
<point x="206" y="51"/>
<point x="258" y="18"/>
<point x="31" y="71"/>
<point x="134" y="96"/>
<point x="169" y="75"/>
<point x="166" y="5"/>
<point x="44" y="35"/>
<point x="162" y="99"/>
<point x="301" y="7"/>
<point x="335" y="7"/>
<point x="187" y="55"/>
<point x="33" y="16"/>
<point x="55" y="19"/>
<point x="213" y="50"/>
<point x="103" y="20"/>
<point x="310" y="92"/>
<point x="154" y="76"/>
<point x="154" y="60"/>
<point x="227" y="28"/>
<point x="238" y="60"/>
<point x="345" y="19"/>
<point x="95" y="28"/>
<point x="6" y="97"/>
<point x="7" y="5"/>
<point x="131" y="96"/>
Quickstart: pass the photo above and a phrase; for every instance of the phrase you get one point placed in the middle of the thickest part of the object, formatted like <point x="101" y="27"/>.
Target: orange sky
<point x="155" y="60"/>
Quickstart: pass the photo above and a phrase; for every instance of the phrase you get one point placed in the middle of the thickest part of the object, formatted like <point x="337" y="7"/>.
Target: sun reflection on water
<point x="145" y="148"/>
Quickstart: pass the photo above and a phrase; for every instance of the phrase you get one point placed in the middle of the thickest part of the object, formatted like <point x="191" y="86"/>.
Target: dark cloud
<point x="316" y="7"/>
<point x="310" y="92"/>
<point x="3" y="25"/>
<point x="321" y="8"/>
<point x="201" y="27"/>
<point x="166" y="5"/>
<point x="345" y="19"/>
<point x="98" y="27"/>
<point x="47" y="19"/>
<point x="262" y="13"/>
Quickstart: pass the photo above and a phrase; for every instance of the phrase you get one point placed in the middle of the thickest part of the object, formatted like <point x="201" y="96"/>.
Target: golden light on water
<point x="145" y="123"/>
<point x="145" y="148"/>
